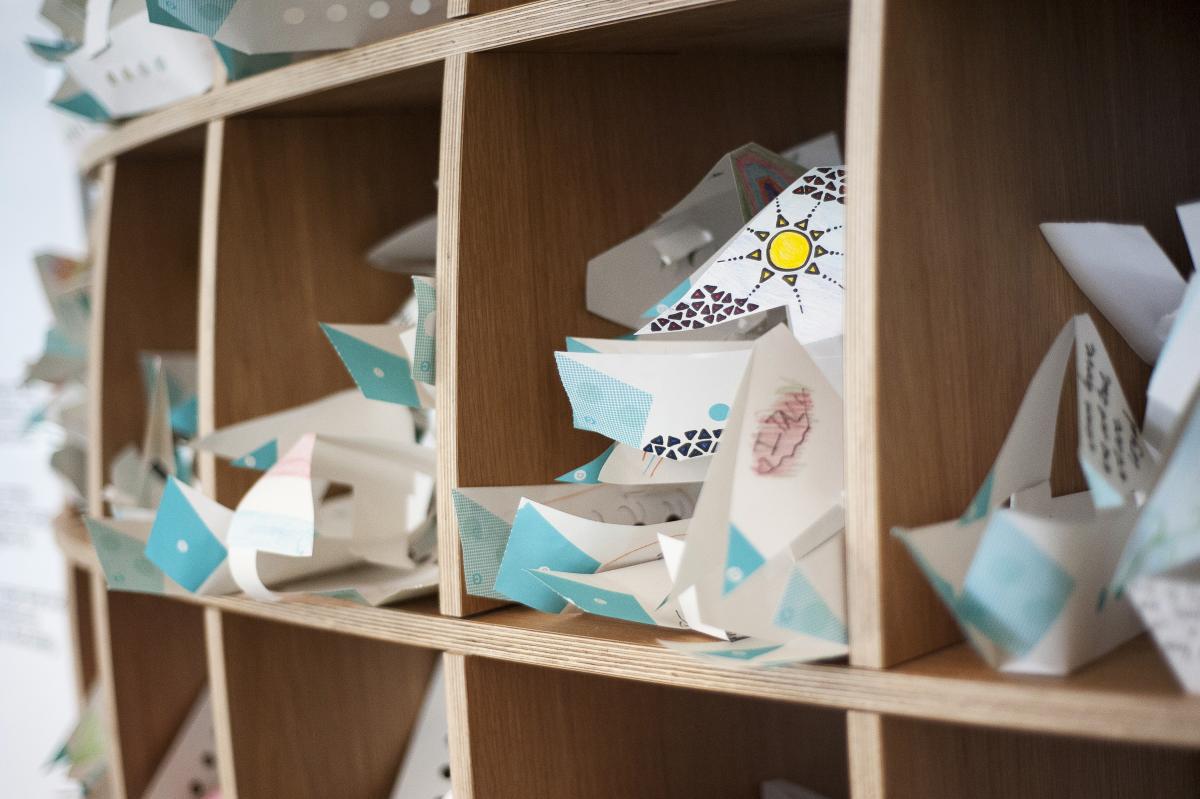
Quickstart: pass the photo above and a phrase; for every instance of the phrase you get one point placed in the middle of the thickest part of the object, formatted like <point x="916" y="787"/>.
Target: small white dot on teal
<point x="580" y="474"/>
<point x="600" y="600"/>
<point x="249" y="461"/>
<point x="377" y="372"/>
<point x="734" y="574"/>
<point x="719" y="412"/>
<point x="182" y="546"/>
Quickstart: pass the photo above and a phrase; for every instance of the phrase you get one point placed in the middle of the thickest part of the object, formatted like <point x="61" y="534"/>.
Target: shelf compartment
<point x="923" y="759"/>
<point x="553" y="158"/>
<point x="315" y="713"/>
<point x="153" y="666"/>
<point x="543" y="732"/>
<point x="145" y="293"/>
<point x="293" y="203"/>
<point x="534" y="21"/>
<point x="1128" y="695"/>
<point x="971" y="124"/>
<point x="83" y="633"/>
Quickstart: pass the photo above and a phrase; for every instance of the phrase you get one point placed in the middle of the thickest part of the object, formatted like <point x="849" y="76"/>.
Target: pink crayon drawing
<point x="782" y="431"/>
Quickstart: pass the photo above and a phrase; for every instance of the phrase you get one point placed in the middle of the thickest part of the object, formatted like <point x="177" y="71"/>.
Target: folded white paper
<point x="1176" y="376"/>
<point x="670" y="404"/>
<point x="144" y="66"/>
<point x="790" y="255"/>
<point x="380" y="359"/>
<point x="1169" y="604"/>
<point x="1029" y="584"/>
<point x="425" y="772"/>
<point x="1125" y="273"/>
<point x="289" y="26"/>
<point x="346" y="415"/>
<point x="412" y="250"/>
<point x="546" y="540"/>
<point x="190" y="766"/>
<point x="629" y="278"/>
<point x="485" y="517"/>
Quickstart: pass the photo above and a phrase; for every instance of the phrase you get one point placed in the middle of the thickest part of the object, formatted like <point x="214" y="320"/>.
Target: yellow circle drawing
<point x="789" y="250"/>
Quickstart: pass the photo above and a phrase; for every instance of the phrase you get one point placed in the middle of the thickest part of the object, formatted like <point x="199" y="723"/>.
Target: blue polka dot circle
<point x="719" y="412"/>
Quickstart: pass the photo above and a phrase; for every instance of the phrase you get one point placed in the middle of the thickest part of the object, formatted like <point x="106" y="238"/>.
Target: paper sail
<point x="346" y="415"/>
<point x="181" y="378"/>
<point x="1160" y="567"/>
<point x="778" y="583"/>
<point x="790" y="255"/>
<point x="195" y="545"/>
<point x="189" y="767"/>
<point x="639" y="593"/>
<point x="1169" y="604"/>
<point x="425" y="771"/>
<point x="379" y="358"/>
<point x="669" y="404"/>
<point x="485" y="517"/>
<point x="412" y="250"/>
<point x="289" y="26"/>
<point x="143" y="67"/>
<point x="544" y="541"/>
<point x="627" y="279"/>
<point x="70" y="96"/>
<point x="1125" y="273"/>
<point x="1029" y="583"/>
<point x="1176" y="376"/>
<point x="820" y="151"/>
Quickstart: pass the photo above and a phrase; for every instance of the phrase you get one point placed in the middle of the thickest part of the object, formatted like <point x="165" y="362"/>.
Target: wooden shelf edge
<point x="70" y="534"/>
<point x="524" y="23"/>
<point x="1128" y="696"/>
<point x="949" y="686"/>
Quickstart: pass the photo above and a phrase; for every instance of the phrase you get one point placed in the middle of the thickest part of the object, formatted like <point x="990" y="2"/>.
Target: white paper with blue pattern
<point x="783" y="588"/>
<point x="1176" y="376"/>
<point x="1030" y="584"/>
<point x="485" y="516"/>
<point x="635" y="398"/>
<point x="381" y="359"/>
<point x="544" y="540"/>
<point x="145" y="66"/>
<point x="291" y="26"/>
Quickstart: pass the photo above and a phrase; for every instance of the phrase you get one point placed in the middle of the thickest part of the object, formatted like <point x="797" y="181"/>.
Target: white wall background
<point x="39" y="209"/>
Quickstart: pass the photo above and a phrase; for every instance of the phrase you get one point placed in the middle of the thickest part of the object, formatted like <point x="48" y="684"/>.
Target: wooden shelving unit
<point x="233" y="222"/>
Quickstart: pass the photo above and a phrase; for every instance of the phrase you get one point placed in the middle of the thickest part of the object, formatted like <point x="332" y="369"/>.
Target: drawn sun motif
<point x="784" y="245"/>
<point x="792" y="248"/>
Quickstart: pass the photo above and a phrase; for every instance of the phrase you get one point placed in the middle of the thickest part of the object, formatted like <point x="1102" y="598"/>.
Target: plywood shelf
<point x="404" y="56"/>
<point x="555" y="129"/>
<point x="1128" y="696"/>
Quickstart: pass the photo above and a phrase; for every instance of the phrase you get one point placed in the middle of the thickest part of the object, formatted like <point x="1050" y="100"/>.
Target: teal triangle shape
<point x="123" y="560"/>
<point x="379" y="374"/>
<point x="180" y="542"/>
<point x="588" y="473"/>
<point x="262" y="458"/>
<point x="185" y="417"/>
<point x="741" y="560"/>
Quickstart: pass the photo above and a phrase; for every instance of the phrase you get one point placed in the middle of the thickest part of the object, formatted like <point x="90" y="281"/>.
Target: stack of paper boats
<point x="718" y="507"/>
